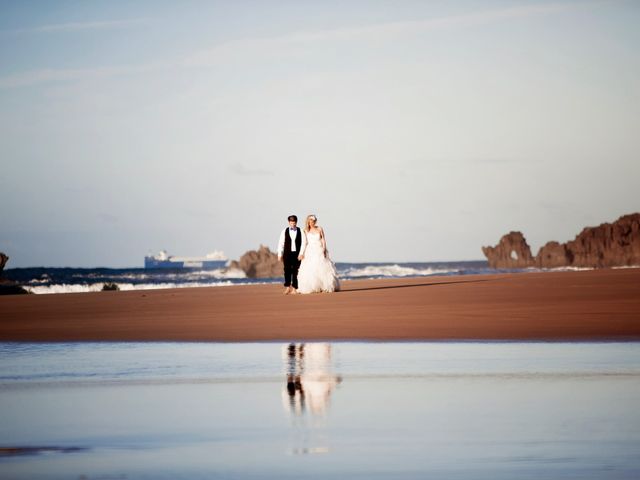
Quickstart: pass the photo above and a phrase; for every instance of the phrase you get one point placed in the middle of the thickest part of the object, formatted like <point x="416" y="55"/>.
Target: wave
<point x="563" y="269"/>
<point x="219" y="273"/>
<point x="42" y="280"/>
<point x="466" y="268"/>
<point x="394" y="270"/>
<point x="97" y="287"/>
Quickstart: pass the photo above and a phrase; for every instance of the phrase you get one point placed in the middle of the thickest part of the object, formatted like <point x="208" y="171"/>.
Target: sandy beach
<point x="582" y="305"/>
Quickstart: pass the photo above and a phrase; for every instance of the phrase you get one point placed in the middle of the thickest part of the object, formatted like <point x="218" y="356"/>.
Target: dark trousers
<point x="291" y="265"/>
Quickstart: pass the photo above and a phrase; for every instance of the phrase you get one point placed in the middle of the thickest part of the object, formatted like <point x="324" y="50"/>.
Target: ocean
<point x="72" y="280"/>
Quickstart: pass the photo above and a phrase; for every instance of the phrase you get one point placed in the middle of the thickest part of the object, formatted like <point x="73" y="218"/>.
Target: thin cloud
<point x="267" y="45"/>
<point x="48" y="75"/>
<point x="82" y="26"/>
<point x="218" y="53"/>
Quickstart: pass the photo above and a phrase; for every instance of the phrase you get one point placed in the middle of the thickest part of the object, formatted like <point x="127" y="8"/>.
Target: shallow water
<point x="340" y="410"/>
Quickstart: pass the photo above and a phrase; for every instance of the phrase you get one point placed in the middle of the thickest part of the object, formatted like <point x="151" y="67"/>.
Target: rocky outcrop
<point x="261" y="263"/>
<point x="552" y="255"/>
<point x="7" y="287"/>
<point x="608" y="245"/>
<point x="512" y="251"/>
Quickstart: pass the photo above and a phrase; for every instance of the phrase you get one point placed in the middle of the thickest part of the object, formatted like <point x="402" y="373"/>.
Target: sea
<point x="42" y="280"/>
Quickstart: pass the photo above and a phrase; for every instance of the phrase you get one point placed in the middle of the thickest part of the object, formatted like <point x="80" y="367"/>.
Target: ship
<point x="213" y="260"/>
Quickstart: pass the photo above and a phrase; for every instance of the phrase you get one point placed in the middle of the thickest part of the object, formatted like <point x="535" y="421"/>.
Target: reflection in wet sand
<point x="309" y="383"/>
<point x="310" y="379"/>
<point x="405" y="410"/>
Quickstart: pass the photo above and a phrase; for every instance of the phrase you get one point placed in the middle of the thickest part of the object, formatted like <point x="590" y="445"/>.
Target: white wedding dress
<point x="317" y="273"/>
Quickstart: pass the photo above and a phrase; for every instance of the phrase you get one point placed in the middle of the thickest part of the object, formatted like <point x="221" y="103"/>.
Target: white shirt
<point x="292" y="235"/>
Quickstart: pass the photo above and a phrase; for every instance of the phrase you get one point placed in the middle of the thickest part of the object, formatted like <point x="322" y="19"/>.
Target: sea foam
<point x="97" y="287"/>
<point x="394" y="270"/>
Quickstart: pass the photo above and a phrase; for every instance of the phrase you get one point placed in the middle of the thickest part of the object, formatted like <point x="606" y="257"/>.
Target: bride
<point x="317" y="272"/>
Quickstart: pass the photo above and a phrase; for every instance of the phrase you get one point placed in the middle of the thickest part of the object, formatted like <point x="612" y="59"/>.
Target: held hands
<point x="300" y="257"/>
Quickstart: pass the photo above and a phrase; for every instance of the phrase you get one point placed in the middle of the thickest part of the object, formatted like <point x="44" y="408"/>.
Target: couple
<point x="307" y="266"/>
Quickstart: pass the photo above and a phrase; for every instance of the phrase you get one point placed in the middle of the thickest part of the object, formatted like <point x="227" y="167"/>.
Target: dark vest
<point x="287" y="241"/>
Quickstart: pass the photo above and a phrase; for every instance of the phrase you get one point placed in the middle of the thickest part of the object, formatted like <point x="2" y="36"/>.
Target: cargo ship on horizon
<point x="213" y="260"/>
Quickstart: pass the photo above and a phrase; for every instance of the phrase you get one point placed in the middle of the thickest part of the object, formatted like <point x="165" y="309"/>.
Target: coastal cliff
<point x="607" y="245"/>
<point x="261" y="263"/>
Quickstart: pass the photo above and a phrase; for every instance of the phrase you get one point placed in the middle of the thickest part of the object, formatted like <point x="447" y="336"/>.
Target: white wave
<point x="64" y="288"/>
<point x="580" y="269"/>
<point x="561" y="269"/>
<point x="219" y="273"/>
<point x="121" y="276"/>
<point x="43" y="279"/>
<point x="392" y="271"/>
<point x="97" y="287"/>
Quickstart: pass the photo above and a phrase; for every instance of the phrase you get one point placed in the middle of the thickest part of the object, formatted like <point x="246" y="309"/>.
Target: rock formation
<point x="3" y="261"/>
<point x="261" y="263"/>
<point x="608" y="245"/>
<point x="512" y="251"/>
<point x="7" y="287"/>
<point x="552" y="255"/>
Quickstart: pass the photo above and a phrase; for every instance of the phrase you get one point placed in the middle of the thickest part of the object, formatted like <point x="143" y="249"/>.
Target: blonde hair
<point x="306" y="222"/>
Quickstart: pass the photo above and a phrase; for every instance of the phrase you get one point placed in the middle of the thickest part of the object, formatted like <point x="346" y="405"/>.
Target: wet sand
<point x="554" y="306"/>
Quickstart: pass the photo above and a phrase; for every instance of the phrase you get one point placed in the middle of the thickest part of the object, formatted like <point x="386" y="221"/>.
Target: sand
<point x="550" y="306"/>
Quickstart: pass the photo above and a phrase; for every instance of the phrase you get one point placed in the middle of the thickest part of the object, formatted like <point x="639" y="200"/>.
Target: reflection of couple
<point x="310" y="380"/>
<point x="307" y="266"/>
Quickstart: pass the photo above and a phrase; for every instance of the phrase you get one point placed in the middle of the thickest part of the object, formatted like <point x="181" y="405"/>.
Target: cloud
<point x="240" y="169"/>
<point x="82" y="26"/>
<point x="253" y="46"/>
<point x="257" y="45"/>
<point x="48" y="75"/>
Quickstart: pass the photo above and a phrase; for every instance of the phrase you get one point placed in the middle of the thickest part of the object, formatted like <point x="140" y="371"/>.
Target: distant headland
<point x="614" y="244"/>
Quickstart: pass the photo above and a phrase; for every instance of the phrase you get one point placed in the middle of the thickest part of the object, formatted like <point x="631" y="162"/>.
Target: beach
<point x="494" y="376"/>
<point x="590" y="305"/>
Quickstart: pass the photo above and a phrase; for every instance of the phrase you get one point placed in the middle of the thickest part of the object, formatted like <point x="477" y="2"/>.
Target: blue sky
<point x="416" y="131"/>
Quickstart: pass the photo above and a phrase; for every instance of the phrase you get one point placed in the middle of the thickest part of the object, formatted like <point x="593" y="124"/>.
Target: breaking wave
<point x="394" y="270"/>
<point x="47" y="280"/>
<point x="97" y="287"/>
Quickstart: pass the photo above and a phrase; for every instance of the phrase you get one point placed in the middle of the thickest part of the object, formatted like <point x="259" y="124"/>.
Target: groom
<point x="291" y="246"/>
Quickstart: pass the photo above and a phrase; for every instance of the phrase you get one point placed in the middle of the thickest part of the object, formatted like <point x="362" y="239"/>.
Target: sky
<point x="414" y="130"/>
